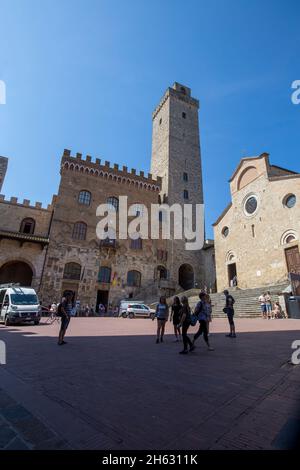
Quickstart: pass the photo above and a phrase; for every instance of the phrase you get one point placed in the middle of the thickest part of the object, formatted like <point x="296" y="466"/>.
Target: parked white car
<point x="19" y="305"/>
<point x="135" y="310"/>
<point x="124" y="304"/>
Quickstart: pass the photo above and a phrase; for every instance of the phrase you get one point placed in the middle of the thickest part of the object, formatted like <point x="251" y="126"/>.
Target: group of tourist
<point x="77" y="310"/>
<point x="270" y="310"/>
<point x="183" y="318"/>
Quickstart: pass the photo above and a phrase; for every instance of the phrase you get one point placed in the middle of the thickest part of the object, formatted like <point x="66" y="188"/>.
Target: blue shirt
<point x="162" y="311"/>
<point x="200" y="311"/>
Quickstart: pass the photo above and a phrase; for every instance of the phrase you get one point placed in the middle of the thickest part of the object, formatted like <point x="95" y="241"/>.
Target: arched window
<point x="79" y="231"/>
<point x="113" y="202"/>
<point x="27" y="226"/>
<point x="134" y="278"/>
<point x="230" y="257"/>
<point x="104" y="274"/>
<point x="84" y="197"/>
<point x="225" y="232"/>
<point x="72" y="271"/>
<point x="162" y="273"/>
<point x="288" y="237"/>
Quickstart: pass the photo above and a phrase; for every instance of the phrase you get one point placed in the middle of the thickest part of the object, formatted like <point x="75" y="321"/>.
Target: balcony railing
<point x="166" y="283"/>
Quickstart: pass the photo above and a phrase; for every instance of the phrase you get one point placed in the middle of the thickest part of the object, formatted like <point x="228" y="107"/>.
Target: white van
<point x="19" y="305"/>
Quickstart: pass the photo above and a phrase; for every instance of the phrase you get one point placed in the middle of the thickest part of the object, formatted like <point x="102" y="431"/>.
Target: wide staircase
<point x="246" y="304"/>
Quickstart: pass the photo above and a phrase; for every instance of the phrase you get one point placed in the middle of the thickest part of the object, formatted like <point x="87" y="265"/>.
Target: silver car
<point x="135" y="310"/>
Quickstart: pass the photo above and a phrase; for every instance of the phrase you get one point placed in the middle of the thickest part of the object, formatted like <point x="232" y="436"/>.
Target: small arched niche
<point x="247" y="176"/>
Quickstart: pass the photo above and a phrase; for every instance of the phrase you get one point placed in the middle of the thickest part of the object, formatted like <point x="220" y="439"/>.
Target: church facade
<point x="56" y="249"/>
<point x="257" y="235"/>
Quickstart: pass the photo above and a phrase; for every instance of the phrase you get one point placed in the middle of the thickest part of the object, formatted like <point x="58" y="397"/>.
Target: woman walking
<point x="175" y="316"/>
<point x="208" y="307"/>
<point x="162" y="314"/>
<point x="185" y="323"/>
<point x="201" y="310"/>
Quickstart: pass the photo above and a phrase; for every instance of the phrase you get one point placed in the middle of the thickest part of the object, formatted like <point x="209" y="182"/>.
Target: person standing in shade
<point x="229" y="310"/>
<point x="202" y="311"/>
<point x="185" y="322"/>
<point x="175" y="316"/>
<point x="65" y="311"/>
<point x="162" y="314"/>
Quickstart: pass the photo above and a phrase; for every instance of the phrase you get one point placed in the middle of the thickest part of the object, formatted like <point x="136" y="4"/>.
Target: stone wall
<point x="12" y="212"/>
<point x="82" y="174"/>
<point x="24" y="250"/>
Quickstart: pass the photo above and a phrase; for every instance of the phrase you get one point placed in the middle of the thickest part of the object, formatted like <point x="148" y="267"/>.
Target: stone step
<point x="246" y="304"/>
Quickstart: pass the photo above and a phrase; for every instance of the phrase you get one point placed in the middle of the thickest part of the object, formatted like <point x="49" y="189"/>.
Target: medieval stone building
<point x="24" y="237"/>
<point x="257" y="235"/>
<point x="56" y="249"/>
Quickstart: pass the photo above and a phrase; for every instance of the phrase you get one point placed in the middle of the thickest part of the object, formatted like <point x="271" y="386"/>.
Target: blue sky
<point x="86" y="75"/>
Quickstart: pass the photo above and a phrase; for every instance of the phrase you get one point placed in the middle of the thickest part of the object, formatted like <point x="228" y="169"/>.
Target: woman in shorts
<point x="175" y="316"/>
<point x="162" y="314"/>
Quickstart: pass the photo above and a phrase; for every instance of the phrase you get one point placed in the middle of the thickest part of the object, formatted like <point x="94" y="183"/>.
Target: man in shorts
<point x="263" y="305"/>
<point x="65" y="311"/>
<point x="229" y="310"/>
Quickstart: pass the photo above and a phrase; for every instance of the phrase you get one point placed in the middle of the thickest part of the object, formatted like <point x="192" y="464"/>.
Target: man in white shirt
<point x="263" y="305"/>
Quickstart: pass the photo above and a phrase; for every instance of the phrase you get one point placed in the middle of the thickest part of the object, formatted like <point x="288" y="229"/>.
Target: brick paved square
<point x="112" y="387"/>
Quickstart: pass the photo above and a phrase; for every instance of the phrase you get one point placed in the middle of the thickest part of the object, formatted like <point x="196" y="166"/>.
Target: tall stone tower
<point x="3" y="168"/>
<point x="176" y="158"/>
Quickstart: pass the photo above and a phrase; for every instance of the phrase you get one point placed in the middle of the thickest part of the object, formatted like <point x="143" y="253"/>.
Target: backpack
<point x="195" y="316"/>
<point x="59" y="312"/>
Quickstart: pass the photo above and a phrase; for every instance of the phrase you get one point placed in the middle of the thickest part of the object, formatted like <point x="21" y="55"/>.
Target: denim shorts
<point x="64" y="323"/>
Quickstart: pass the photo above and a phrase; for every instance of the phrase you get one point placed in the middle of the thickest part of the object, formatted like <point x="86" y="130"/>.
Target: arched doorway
<point x="16" y="272"/>
<point x="186" y="276"/>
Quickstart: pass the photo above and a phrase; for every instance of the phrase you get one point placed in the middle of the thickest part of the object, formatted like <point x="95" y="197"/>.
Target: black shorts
<point x="64" y="323"/>
<point x="230" y="315"/>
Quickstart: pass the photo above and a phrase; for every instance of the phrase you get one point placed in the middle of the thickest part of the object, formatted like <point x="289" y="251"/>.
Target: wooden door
<point x="293" y="265"/>
<point x="293" y="259"/>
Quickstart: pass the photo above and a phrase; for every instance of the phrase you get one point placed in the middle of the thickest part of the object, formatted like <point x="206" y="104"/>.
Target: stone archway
<point x="186" y="276"/>
<point x="16" y="272"/>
